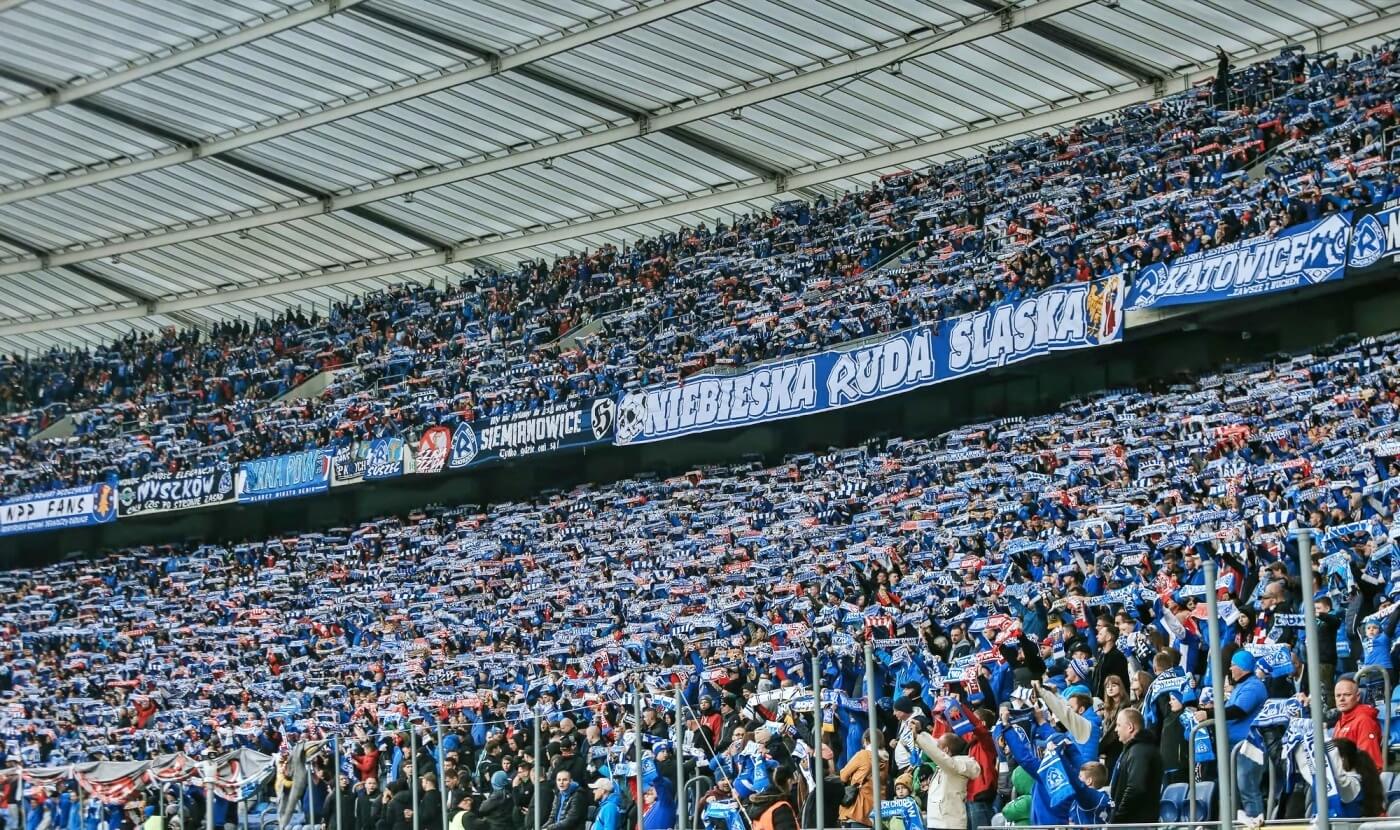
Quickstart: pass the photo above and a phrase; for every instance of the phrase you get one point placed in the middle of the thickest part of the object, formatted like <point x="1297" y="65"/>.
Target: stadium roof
<point x="176" y="162"/>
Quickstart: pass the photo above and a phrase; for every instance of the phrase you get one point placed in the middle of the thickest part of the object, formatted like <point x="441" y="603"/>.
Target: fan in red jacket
<point x="1358" y="722"/>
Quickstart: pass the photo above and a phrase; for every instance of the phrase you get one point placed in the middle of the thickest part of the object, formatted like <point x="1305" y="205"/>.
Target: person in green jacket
<point x="1018" y="810"/>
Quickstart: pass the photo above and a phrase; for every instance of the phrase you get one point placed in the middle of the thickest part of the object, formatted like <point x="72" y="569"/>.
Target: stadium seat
<point x="1173" y="803"/>
<point x="1205" y="802"/>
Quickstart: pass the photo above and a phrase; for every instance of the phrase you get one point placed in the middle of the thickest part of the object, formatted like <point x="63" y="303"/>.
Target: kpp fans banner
<point x="1068" y="317"/>
<point x="1375" y="236"/>
<point x="90" y="504"/>
<point x="551" y="427"/>
<point x="284" y="476"/>
<point x="159" y="492"/>
<point x="1303" y="255"/>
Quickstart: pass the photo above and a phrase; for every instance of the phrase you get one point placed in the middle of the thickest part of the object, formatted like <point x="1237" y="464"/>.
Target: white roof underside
<point x="172" y="162"/>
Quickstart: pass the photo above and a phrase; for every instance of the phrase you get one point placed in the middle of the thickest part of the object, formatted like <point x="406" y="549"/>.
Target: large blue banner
<point x="1375" y="236"/>
<point x="553" y="426"/>
<point x="284" y="476"/>
<point x="91" y="504"/>
<point x="1067" y="317"/>
<point x="1303" y="255"/>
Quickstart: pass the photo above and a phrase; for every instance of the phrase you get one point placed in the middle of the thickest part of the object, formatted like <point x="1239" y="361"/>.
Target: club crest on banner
<point x="464" y="446"/>
<point x="602" y="417"/>
<point x="1367" y="242"/>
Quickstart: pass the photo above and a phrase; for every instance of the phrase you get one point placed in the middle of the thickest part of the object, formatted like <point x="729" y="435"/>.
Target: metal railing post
<point x="872" y="729"/>
<point x="1319" y="740"/>
<point x="680" y="763"/>
<point x="441" y="776"/>
<point x="538" y="791"/>
<point x="1226" y="779"/>
<point x="413" y="770"/>
<point x="817" y="771"/>
<point x="637" y="751"/>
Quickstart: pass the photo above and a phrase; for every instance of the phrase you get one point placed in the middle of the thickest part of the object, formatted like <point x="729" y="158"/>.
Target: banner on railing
<point x="385" y="459"/>
<point x="1303" y="255"/>
<point x="1074" y="316"/>
<point x="1375" y="236"/>
<point x="348" y="464"/>
<point x="160" y="492"/>
<point x="284" y="476"/>
<point x="551" y="427"/>
<point x="433" y="450"/>
<point x="91" y="504"/>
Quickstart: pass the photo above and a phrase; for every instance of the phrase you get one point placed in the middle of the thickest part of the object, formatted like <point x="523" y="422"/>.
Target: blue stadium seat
<point x="1173" y="803"/>
<point x="1205" y="801"/>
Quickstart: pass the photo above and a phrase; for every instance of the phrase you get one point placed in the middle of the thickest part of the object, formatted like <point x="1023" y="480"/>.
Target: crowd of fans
<point x="1270" y="146"/>
<point x="1034" y="590"/>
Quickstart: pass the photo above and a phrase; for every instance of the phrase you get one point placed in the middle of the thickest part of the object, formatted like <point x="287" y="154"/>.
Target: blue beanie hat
<point x="1242" y="660"/>
<point x="499" y="780"/>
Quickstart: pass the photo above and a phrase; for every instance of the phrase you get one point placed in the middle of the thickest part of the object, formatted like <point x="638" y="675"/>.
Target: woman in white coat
<point x="947" y="790"/>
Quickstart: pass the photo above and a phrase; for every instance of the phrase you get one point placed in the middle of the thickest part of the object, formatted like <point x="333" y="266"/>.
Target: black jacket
<point x="367" y="811"/>
<point x="498" y="810"/>
<point x="1137" y="782"/>
<point x="567" y="810"/>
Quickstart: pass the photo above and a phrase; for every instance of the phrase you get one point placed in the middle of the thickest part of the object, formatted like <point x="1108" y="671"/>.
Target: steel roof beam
<point x="306" y="119"/>
<point x="679" y="115"/>
<point x="1075" y="42"/>
<point x="80" y="271"/>
<point x="166" y="134"/>
<point x="154" y="63"/>
<point x="887" y="159"/>
<point x="732" y="155"/>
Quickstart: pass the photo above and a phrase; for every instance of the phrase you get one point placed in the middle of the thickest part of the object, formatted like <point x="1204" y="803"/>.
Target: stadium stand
<point x="1011" y="623"/>
<point x="1299" y="139"/>
<point x="1063" y="550"/>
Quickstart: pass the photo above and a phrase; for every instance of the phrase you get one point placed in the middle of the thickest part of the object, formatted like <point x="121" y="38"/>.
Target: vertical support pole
<point x="441" y="776"/>
<point x="1226" y="782"/>
<point x="819" y="819"/>
<point x="23" y="807"/>
<point x="538" y="771"/>
<point x="681" y="817"/>
<point x="637" y="749"/>
<point x="335" y="770"/>
<point x="1319" y="740"/>
<point x="413" y="769"/>
<point x="209" y="796"/>
<point x="162" y="802"/>
<point x="872" y="717"/>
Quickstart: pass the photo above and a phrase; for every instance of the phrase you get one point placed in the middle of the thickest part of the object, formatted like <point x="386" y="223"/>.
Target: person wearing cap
<point x="609" y="801"/>
<point x="904" y="710"/>
<point x="498" y="810"/>
<point x="1243" y="706"/>
<point x="772" y="809"/>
